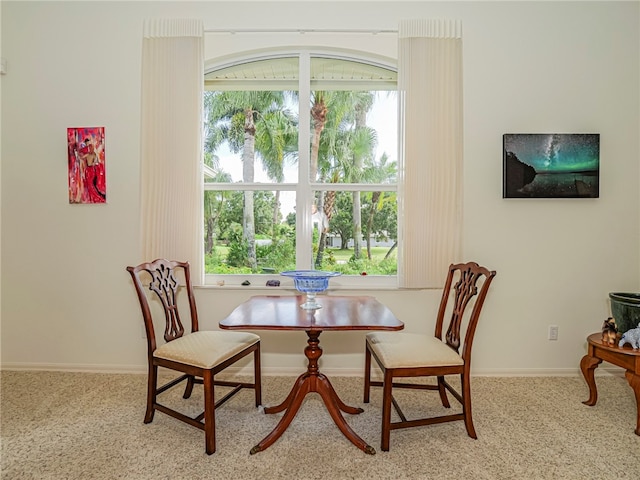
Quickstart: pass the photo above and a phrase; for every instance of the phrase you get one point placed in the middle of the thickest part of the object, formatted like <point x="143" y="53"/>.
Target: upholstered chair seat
<point x="206" y="349"/>
<point x="406" y="350"/>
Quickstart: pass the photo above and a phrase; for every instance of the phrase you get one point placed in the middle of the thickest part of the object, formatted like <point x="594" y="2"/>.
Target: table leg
<point x="299" y="391"/>
<point x="328" y="388"/>
<point x="313" y="381"/>
<point x="287" y="401"/>
<point x="634" y="382"/>
<point x="334" y="405"/>
<point x="588" y="364"/>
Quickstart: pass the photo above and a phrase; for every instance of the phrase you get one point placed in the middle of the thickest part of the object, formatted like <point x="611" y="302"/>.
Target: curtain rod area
<point x="301" y="31"/>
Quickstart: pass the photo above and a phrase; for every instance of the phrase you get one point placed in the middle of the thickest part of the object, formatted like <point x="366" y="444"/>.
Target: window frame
<point x="304" y="188"/>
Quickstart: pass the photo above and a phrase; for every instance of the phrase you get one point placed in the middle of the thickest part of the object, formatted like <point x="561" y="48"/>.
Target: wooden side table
<point x="624" y="357"/>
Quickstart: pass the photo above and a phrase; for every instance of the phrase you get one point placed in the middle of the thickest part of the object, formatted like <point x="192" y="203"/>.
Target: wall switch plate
<point x="3" y="66"/>
<point x="553" y="332"/>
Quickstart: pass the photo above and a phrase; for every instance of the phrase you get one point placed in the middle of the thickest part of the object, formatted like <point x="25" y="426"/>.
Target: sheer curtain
<point x="430" y="96"/>
<point x="171" y="142"/>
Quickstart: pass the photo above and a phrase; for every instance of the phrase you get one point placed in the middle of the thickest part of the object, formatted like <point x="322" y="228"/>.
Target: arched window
<point x="300" y="167"/>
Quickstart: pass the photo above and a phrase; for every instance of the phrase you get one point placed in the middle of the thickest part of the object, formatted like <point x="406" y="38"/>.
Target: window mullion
<point x="304" y="230"/>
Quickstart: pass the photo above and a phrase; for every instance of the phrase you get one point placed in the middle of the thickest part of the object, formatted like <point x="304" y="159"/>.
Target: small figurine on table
<point x="631" y="336"/>
<point x="609" y="331"/>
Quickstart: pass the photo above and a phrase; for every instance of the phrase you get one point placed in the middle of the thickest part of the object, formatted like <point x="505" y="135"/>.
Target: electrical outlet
<point x="553" y="332"/>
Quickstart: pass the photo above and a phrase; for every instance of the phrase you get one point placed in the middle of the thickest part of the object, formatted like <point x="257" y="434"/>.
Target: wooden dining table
<point x="337" y="313"/>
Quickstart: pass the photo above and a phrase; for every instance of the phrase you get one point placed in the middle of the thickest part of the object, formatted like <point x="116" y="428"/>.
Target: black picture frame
<point x="551" y="165"/>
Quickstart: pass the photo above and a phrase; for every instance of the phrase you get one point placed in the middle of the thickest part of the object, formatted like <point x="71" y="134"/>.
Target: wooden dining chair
<point x="199" y="355"/>
<point x="401" y="355"/>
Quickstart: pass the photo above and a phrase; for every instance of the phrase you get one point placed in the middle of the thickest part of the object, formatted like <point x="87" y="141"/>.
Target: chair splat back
<point x="165" y="285"/>
<point x="465" y="289"/>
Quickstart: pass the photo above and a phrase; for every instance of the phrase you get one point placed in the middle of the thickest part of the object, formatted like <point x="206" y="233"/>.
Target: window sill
<point x="258" y="283"/>
<point x="289" y="290"/>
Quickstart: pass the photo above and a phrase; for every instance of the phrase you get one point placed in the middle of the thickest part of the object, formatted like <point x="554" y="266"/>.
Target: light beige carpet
<point x="89" y="426"/>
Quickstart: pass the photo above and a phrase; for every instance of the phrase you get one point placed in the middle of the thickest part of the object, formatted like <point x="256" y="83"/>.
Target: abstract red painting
<point x="86" y="159"/>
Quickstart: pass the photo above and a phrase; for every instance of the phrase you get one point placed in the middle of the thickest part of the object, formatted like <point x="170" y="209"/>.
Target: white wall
<point x="0" y="188"/>
<point x="528" y="68"/>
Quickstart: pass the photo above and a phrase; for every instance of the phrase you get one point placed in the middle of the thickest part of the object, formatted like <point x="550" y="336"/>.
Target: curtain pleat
<point x="171" y="142"/>
<point x="430" y="96"/>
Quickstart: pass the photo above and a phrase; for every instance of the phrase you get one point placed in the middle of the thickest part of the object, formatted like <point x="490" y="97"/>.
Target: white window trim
<point x="304" y="189"/>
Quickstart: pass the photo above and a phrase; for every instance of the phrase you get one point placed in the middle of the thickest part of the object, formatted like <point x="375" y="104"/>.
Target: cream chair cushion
<point x="205" y="349"/>
<point x="398" y="350"/>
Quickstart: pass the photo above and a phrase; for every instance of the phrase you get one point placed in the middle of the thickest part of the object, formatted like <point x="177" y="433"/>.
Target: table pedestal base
<point x="313" y="381"/>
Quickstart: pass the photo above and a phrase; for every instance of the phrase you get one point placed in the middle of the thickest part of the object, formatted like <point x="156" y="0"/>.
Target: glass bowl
<point x="310" y="282"/>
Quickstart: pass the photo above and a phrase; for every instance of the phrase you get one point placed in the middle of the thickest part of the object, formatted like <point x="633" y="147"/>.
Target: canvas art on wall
<point x="556" y="165"/>
<point x="86" y="164"/>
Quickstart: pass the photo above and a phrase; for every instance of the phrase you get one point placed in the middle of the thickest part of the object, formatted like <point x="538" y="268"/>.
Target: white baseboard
<point x="61" y="367"/>
<point x="295" y="371"/>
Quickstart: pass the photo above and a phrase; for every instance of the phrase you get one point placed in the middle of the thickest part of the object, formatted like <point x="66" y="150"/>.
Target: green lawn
<point x="339" y="260"/>
<point x="377" y="253"/>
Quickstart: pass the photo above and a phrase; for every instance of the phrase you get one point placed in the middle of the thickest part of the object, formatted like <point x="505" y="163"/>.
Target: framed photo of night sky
<point x="551" y="165"/>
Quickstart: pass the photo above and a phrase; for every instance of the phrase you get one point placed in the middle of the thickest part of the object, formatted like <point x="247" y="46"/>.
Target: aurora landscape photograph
<point x="551" y="165"/>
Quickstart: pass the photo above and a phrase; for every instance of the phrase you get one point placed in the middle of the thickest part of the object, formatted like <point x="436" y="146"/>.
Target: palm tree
<point x="346" y="142"/>
<point x="239" y="118"/>
<point x="319" y="110"/>
<point x="327" y="108"/>
<point x="276" y="141"/>
<point x="363" y="147"/>
<point x="318" y="121"/>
